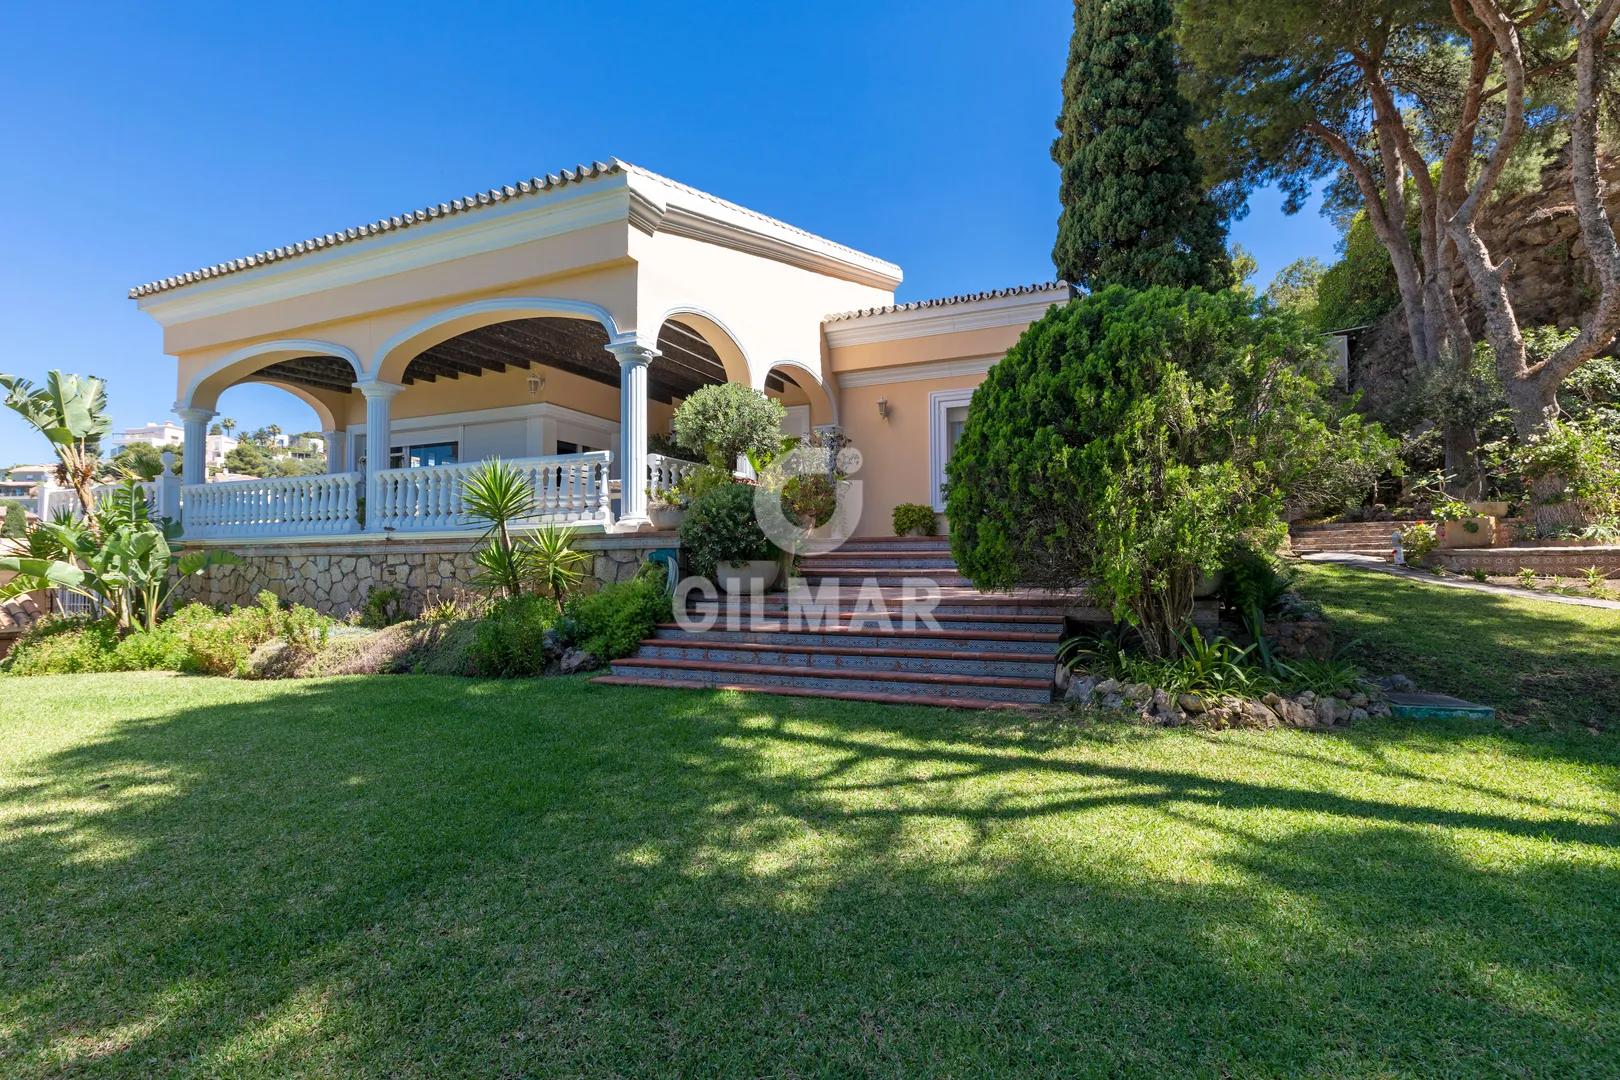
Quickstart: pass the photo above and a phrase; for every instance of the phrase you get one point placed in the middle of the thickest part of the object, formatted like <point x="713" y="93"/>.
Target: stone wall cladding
<point x="1569" y="562"/>
<point x="335" y="577"/>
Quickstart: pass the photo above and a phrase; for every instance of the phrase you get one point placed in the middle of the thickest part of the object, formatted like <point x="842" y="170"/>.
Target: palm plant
<point x="554" y="564"/>
<point x="70" y="411"/>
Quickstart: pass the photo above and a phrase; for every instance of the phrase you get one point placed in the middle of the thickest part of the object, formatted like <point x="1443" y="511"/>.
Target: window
<point x="416" y="457"/>
<point x="947" y="411"/>
<point x="566" y="447"/>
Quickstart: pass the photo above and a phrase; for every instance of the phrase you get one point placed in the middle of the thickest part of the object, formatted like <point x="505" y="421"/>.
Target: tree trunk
<point x="1462" y="461"/>
<point x="1534" y="403"/>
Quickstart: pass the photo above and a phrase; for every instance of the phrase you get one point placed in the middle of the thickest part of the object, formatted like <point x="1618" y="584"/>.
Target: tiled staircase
<point x="990" y="650"/>
<point x="1353" y="537"/>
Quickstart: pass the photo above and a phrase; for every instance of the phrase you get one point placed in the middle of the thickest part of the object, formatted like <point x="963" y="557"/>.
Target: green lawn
<point x="410" y="875"/>
<point x="1535" y="660"/>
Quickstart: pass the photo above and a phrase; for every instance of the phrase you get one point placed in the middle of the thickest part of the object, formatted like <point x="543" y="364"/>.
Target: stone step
<point x="777" y="617"/>
<point x="882" y="543"/>
<point x="901" y="683"/>
<point x="1024" y="642"/>
<point x="793" y="691"/>
<point x="919" y="560"/>
<point x="845" y="657"/>
<point x="856" y="576"/>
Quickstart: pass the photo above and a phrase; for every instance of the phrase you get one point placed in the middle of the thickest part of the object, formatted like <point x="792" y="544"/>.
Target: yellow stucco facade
<point x="625" y="254"/>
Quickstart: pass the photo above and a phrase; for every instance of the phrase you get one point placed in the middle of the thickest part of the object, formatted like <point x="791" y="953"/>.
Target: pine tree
<point x="1135" y="211"/>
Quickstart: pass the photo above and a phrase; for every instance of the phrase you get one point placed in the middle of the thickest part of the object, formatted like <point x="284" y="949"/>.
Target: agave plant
<point x="70" y="411"/>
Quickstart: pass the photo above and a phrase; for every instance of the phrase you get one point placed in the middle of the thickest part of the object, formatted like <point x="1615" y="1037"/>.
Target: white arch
<point x="509" y="307"/>
<point x="324" y="416"/>
<point x="289" y="346"/>
<point x="828" y="389"/>
<point x="718" y="323"/>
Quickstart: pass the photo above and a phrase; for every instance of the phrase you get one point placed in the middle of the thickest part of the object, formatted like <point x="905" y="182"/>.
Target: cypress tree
<point x="1135" y="211"/>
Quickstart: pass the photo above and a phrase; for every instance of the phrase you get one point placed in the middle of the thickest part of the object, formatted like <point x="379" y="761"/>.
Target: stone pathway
<point x="1366" y="562"/>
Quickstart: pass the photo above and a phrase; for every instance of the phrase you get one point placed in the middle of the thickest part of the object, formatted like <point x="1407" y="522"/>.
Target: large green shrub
<point x="720" y="527"/>
<point x="1129" y="440"/>
<point x="727" y="421"/>
<point x="510" y="640"/>
<point x="1360" y="288"/>
<point x="612" y="621"/>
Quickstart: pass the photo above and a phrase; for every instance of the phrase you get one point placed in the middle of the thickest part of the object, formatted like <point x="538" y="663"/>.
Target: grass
<point x="431" y="876"/>
<point x="1536" y="661"/>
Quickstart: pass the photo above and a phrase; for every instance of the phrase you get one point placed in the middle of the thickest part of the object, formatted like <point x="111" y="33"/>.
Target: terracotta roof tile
<point x="948" y="301"/>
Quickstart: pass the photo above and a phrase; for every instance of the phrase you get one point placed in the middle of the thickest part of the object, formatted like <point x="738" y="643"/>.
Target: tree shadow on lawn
<point x="433" y="875"/>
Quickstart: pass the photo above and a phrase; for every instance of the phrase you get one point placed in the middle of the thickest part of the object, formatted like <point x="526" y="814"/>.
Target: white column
<point x="378" y="397"/>
<point x="337" y="448"/>
<point x="633" y="360"/>
<point x="195" y="468"/>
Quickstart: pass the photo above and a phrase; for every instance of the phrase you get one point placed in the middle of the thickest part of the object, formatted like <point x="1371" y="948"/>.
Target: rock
<point x="1111" y="701"/>
<point x="1396" y="684"/>
<point x="551" y="641"/>
<point x="1192" y="703"/>
<point x="1138" y="692"/>
<point x="1358" y="700"/>
<point x="1358" y="715"/>
<point x="1109" y="686"/>
<point x="1081" y="691"/>
<point x="577" y="660"/>
<point x="1271" y="698"/>
<point x="1260" y="714"/>
<point x="1379" y="709"/>
<point x="1330" y="711"/>
<point x="1162" y="702"/>
<point x="1306" y="698"/>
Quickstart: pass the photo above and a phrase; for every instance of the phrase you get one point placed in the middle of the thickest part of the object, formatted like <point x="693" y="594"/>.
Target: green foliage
<point x="810" y="500"/>
<point x="510" y="641"/>
<point x="195" y="639"/>
<point x="1584" y="455"/>
<point x="384" y="606"/>
<point x="501" y="495"/>
<point x="15" y="524"/>
<point x="720" y="528"/>
<point x="909" y="518"/>
<point x="1294" y="289"/>
<point x="143" y="461"/>
<point x="1130" y="439"/>
<point x="612" y="621"/>
<point x="1134" y="208"/>
<point x="1360" y="288"/>
<point x="1255" y="581"/>
<point x="71" y="412"/>
<point x="702" y="480"/>
<point x="1418" y="540"/>
<point x="119" y="559"/>
<point x="728" y="421"/>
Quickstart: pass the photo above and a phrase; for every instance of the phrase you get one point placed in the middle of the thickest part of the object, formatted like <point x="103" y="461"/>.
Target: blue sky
<point x="145" y="140"/>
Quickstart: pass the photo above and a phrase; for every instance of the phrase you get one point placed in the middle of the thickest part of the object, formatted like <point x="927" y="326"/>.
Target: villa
<point x="554" y="322"/>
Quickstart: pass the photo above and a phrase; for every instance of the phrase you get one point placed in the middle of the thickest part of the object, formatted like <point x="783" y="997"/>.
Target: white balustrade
<point x="664" y="473"/>
<point x="569" y="489"/>
<point x="286" y="506"/>
<point x="58" y="500"/>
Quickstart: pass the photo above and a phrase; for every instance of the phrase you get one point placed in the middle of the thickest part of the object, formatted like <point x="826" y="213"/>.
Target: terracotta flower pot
<point x="741" y="578"/>
<point x="1474" y="532"/>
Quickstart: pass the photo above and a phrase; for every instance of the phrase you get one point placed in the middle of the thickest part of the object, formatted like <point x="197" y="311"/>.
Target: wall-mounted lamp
<point x="536" y="384"/>
<point x="883" y="408"/>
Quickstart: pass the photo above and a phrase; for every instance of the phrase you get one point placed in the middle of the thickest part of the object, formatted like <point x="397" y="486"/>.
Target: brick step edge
<point x="694" y="643"/>
<point x="927" y="635"/>
<point x="926" y="678"/>
<point x="977" y="704"/>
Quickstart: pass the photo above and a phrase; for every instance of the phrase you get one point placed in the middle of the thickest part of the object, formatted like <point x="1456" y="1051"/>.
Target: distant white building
<point x="168" y="433"/>
<point x="21" y="482"/>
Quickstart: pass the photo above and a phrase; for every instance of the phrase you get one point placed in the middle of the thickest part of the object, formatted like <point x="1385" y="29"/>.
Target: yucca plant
<point x="500" y="495"/>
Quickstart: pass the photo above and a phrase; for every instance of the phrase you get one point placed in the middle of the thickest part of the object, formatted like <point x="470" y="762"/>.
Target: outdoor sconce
<point x="536" y="384"/>
<point x="883" y="408"/>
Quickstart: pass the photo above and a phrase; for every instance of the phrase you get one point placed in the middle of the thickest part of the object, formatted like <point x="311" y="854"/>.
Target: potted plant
<point x="666" y="508"/>
<point x="721" y="540"/>
<point x="1460" y="527"/>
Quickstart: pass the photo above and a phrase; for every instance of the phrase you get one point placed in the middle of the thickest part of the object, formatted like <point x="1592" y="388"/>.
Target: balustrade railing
<point x="664" y="473"/>
<point x="569" y="489"/>
<point x="286" y="506"/>
<point x="57" y="500"/>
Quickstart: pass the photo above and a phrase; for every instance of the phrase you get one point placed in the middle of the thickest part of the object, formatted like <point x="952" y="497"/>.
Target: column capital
<point x="632" y="352"/>
<point x="376" y="388"/>
<point x="193" y="415"/>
